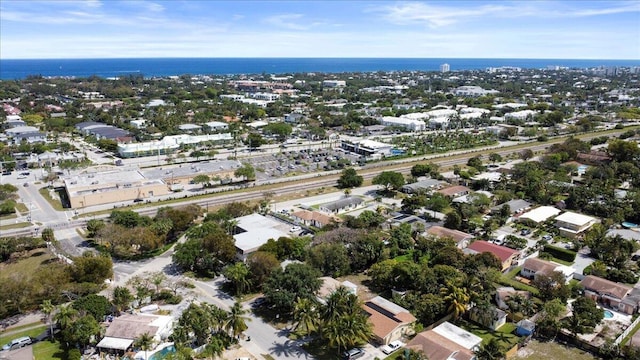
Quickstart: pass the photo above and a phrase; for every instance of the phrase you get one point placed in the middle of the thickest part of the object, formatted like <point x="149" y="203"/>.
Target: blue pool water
<point x="397" y="152"/>
<point x="162" y="353"/>
<point x="608" y="314"/>
<point x="629" y="225"/>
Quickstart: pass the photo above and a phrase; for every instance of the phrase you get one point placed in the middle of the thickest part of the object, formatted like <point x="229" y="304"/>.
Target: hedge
<point x="560" y="253"/>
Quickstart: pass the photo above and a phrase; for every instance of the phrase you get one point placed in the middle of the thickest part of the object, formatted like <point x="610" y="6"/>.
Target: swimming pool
<point x="397" y="152"/>
<point x="608" y="314"/>
<point x="162" y="353"/>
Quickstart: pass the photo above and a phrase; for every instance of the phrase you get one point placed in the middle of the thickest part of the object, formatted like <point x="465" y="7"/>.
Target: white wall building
<point x="409" y="124"/>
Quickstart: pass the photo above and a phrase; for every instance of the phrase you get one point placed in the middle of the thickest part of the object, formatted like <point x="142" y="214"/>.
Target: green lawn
<point x="56" y="204"/>
<point x="47" y="350"/>
<point x="15" y="226"/>
<point x="25" y="266"/>
<point x="30" y="332"/>
<point x="504" y="334"/>
<point x="537" y="350"/>
<point x="508" y="279"/>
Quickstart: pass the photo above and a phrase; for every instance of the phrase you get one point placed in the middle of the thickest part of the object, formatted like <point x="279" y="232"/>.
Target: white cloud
<point x="436" y="16"/>
<point x="287" y="21"/>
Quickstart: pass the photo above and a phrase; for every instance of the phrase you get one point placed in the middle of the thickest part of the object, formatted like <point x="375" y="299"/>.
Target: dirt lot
<point x="551" y="351"/>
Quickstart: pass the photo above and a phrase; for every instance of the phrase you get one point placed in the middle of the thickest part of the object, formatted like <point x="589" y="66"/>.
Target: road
<point x="49" y="217"/>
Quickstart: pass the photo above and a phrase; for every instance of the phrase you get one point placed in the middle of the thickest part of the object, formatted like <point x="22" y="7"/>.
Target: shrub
<point x="167" y="297"/>
<point x="560" y="253"/>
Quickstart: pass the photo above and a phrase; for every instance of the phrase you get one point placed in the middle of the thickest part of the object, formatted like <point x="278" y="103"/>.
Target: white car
<point x="295" y="229"/>
<point x="393" y="346"/>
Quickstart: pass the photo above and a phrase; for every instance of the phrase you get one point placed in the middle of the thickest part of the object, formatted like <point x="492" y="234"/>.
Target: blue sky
<point x="425" y="29"/>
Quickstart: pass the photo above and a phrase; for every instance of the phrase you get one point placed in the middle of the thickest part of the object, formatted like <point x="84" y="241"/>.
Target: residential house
<point x="124" y="330"/>
<point x="516" y="206"/>
<point x="609" y="293"/>
<point x="493" y="318"/>
<point x="423" y="185"/>
<point x="253" y="231"/>
<point x="342" y="205"/>
<point x="330" y="285"/>
<point x="312" y="218"/>
<point x="533" y="267"/>
<point x="461" y="239"/>
<point x="503" y="294"/>
<point x="189" y="128"/>
<point x="539" y="214"/>
<point x="455" y="191"/>
<point x="573" y="224"/>
<point x="217" y="126"/>
<point x="506" y="255"/>
<point x="446" y="342"/>
<point x="389" y="321"/>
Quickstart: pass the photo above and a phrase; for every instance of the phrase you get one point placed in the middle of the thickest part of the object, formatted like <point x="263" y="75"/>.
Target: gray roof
<point x="85" y="124"/>
<point x="343" y="203"/>
<point x="110" y="132"/>
<point x="424" y="184"/>
<point x="514" y="205"/>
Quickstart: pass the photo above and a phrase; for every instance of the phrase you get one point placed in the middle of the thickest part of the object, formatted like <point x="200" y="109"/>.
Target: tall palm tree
<point x="47" y="309"/>
<point x="457" y="299"/>
<point x="236" y="321"/>
<point x="145" y="343"/>
<point x="305" y="313"/>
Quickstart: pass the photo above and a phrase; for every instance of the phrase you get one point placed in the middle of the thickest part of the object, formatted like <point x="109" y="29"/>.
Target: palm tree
<point x="47" y="309"/>
<point x="236" y="323"/>
<point x="457" y="298"/>
<point x="144" y="342"/>
<point x="306" y="315"/>
<point x="490" y="351"/>
<point x="238" y="275"/>
<point x="65" y="316"/>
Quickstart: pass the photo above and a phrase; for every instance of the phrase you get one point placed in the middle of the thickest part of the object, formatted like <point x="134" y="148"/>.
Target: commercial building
<point x="183" y="174"/>
<point x="473" y="91"/>
<point x="409" y="124"/>
<point x="368" y="148"/>
<point x="333" y="83"/>
<point x="445" y="68"/>
<point x="111" y="186"/>
<point x="168" y="145"/>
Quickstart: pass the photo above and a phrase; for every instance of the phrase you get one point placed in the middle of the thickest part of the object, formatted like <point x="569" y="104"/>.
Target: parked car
<point x="392" y="346"/>
<point x="17" y="343"/>
<point x="525" y="232"/>
<point x="547" y="237"/>
<point x="354" y="353"/>
<point x="295" y="228"/>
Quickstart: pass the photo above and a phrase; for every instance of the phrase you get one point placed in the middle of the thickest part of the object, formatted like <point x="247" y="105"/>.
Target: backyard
<point x="537" y="350"/>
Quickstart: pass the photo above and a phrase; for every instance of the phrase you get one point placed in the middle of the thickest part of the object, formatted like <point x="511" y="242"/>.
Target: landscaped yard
<point x="508" y="279"/>
<point x="536" y="350"/>
<point x="505" y="334"/>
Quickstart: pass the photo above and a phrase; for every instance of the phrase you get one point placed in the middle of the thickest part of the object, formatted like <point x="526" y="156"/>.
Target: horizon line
<point x="321" y="57"/>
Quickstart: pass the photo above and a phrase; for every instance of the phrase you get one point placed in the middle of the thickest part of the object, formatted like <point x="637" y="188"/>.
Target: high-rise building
<point x="444" y="68"/>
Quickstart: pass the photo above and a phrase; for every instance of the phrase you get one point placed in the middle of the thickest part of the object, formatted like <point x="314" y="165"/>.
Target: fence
<point x="627" y="331"/>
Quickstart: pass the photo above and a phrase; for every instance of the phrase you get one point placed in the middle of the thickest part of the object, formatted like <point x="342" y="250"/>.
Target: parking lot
<point x="287" y="163"/>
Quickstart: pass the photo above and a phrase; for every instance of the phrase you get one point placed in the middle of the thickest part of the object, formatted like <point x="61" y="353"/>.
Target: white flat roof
<point x="114" y="343"/>
<point x="575" y="218"/>
<point x="258" y="230"/>
<point x="540" y="214"/>
<point x="458" y="335"/>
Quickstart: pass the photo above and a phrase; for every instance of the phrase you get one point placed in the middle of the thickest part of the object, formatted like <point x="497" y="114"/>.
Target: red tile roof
<point x="502" y="252"/>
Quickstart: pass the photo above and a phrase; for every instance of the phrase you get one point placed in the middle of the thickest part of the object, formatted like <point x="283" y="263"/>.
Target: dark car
<point x="525" y="232"/>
